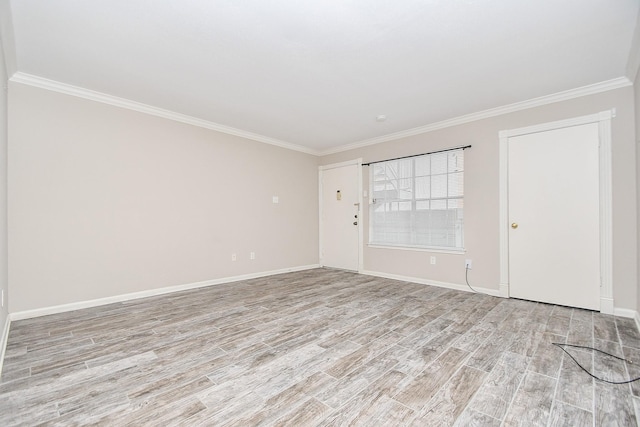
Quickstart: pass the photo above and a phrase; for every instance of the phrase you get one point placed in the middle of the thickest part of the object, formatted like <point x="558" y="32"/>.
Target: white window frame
<point x="415" y="237"/>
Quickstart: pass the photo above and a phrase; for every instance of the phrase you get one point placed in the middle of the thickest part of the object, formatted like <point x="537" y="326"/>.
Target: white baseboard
<point x="3" y="342"/>
<point x="624" y="312"/>
<point x="27" y="314"/>
<point x="628" y="313"/>
<point x="457" y="287"/>
<point x="504" y="290"/>
<point x="606" y="306"/>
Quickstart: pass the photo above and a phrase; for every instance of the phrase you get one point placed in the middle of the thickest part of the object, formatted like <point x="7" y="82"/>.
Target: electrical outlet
<point x="252" y="255"/>
<point x="433" y="260"/>
<point x="467" y="264"/>
<point x="234" y="257"/>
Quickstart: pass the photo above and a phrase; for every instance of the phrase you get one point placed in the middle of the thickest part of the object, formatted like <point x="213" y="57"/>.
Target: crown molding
<point x="76" y="91"/>
<point x="518" y="106"/>
<point x="104" y="98"/>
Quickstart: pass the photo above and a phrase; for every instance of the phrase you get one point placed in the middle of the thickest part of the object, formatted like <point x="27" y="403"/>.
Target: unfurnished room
<point x="319" y="213"/>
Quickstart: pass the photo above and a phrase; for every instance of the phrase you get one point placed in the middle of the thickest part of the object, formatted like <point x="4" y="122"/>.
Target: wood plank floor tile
<point x="449" y="402"/>
<point x="340" y="391"/>
<point x="473" y="338"/>
<point x="636" y="404"/>
<point x="317" y="348"/>
<point x="564" y="415"/>
<point x="363" y="354"/>
<point x="284" y="402"/>
<point x="547" y="358"/>
<point x="311" y="412"/>
<point x="633" y="369"/>
<point x="604" y="328"/>
<point x="628" y="332"/>
<point x="488" y="354"/>
<point x="613" y="406"/>
<point x="471" y="418"/>
<point x="581" y="333"/>
<point x="574" y="386"/>
<point x="531" y="405"/>
<point x="526" y="342"/>
<point x="607" y="367"/>
<point x="389" y="413"/>
<point x="558" y="325"/>
<point x="422" y="389"/>
<point x="365" y="405"/>
<point x="499" y="388"/>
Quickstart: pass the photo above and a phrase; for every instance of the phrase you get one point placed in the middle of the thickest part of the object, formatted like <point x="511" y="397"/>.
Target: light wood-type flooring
<point x="319" y="348"/>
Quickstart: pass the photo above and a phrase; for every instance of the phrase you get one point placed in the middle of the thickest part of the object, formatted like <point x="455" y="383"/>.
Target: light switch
<point x="276" y="199"/>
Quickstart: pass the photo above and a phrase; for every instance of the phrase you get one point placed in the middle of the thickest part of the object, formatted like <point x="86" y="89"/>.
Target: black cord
<point x="466" y="279"/>
<point x="562" y="347"/>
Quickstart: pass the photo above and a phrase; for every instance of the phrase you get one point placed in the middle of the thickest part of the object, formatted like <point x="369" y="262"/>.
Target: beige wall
<point x="3" y="190"/>
<point x="636" y="87"/>
<point x="482" y="193"/>
<point x="105" y="201"/>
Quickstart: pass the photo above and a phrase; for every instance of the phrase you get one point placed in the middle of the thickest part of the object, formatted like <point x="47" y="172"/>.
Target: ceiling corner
<point x="633" y="63"/>
<point x="7" y="38"/>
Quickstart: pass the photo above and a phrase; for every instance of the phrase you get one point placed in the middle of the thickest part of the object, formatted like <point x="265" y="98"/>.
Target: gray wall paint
<point x="106" y="201"/>
<point x="482" y="193"/>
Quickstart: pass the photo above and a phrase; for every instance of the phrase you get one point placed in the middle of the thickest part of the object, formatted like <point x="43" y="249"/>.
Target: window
<point x="418" y="201"/>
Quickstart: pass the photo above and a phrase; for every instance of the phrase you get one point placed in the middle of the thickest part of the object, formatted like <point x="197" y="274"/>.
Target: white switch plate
<point x="433" y="260"/>
<point x="275" y="199"/>
<point x="252" y="255"/>
<point x="234" y="257"/>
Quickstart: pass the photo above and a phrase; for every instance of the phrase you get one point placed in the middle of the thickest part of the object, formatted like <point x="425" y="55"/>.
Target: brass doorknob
<point x="514" y="225"/>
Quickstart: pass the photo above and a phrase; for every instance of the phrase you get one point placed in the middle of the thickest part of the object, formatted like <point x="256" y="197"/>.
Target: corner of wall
<point x="7" y="65"/>
<point x="636" y="91"/>
<point x="4" y="338"/>
<point x="7" y="39"/>
<point x="633" y="62"/>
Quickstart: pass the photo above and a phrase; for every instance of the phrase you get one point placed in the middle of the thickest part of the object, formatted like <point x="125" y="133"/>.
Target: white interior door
<point x="553" y="200"/>
<point x="340" y="216"/>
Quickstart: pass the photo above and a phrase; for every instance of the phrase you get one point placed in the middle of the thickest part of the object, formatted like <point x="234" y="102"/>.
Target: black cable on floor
<point x="562" y="347"/>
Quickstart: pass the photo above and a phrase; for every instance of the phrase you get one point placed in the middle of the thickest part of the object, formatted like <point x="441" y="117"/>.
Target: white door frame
<point x="606" y="251"/>
<point x="321" y="169"/>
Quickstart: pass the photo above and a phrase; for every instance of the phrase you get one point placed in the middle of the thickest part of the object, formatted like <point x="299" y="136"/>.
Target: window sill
<point x="412" y="248"/>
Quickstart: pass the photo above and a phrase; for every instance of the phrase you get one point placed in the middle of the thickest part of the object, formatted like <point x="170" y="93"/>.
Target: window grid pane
<point x="418" y="202"/>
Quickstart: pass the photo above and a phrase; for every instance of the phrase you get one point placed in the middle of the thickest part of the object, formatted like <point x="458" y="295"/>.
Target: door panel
<point x="340" y="243"/>
<point x="554" y="203"/>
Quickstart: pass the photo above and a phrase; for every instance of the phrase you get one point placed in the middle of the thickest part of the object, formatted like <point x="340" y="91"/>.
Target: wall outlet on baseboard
<point x="467" y="264"/>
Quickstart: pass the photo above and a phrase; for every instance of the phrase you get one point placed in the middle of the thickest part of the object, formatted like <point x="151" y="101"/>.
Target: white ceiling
<point x="317" y="73"/>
